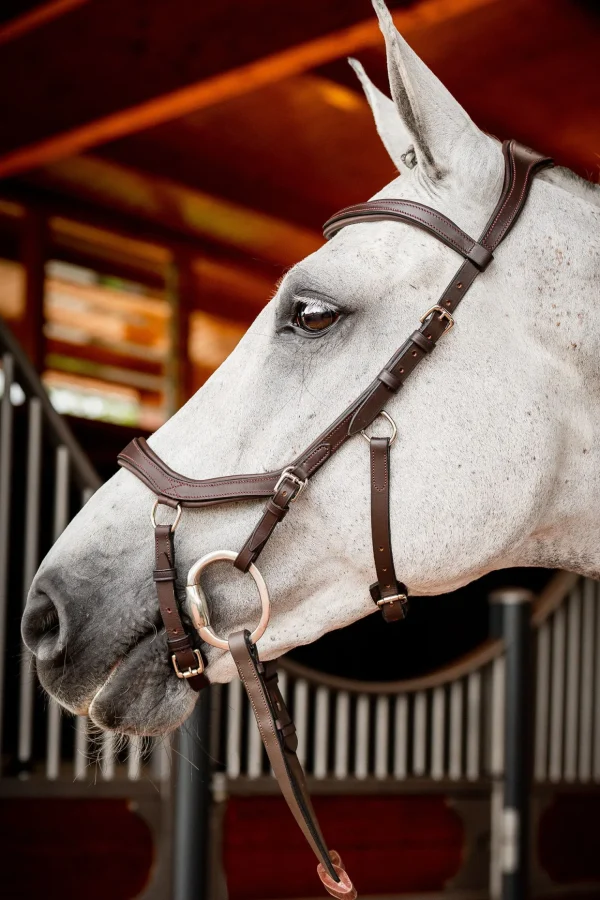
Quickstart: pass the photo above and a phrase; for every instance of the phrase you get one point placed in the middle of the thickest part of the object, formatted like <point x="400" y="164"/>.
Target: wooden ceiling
<point x="235" y="127"/>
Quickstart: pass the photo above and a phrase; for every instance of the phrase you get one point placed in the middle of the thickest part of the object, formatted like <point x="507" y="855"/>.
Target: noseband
<point x="285" y="486"/>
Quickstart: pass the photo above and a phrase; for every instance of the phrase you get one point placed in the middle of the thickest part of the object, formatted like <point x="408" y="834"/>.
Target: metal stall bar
<point x="342" y="730"/>
<point x="192" y="805"/>
<point x="6" y="432"/>
<point x="456" y="730"/>
<point x="234" y="728"/>
<point x="557" y="695"/>
<point x="542" y="703"/>
<point x="572" y="686"/>
<point x="401" y="736"/>
<point x="30" y="564"/>
<point x="321" y="735"/>
<point x="61" y="518"/>
<point x="514" y="852"/>
<point x="301" y="718"/>
<point x="473" y="725"/>
<point x="438" y="729"/>
<point x="587" y="682"/>
<point x="419" y="733"/>
<point x="361" y="752"/>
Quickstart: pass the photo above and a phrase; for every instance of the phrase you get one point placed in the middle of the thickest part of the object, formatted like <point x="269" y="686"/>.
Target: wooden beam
<point x="129" y="222"/>
<point x="110" y="69"/>
<point x="185" y="210"/>
<point x="35" y="18"/>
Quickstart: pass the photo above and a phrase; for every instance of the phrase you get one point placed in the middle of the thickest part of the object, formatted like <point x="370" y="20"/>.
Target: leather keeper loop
<point x="421" y="341"/>
<point x="390" y="380"/>
<point x="480" y="256"/>
<point x="178" y="644"/>
<point x="164" y="574"/>
<point x="276" y="510"/>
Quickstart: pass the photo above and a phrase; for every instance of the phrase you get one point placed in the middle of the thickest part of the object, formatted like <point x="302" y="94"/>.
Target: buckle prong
<point x="385" y="600"/>
<point x="298" y="482"/>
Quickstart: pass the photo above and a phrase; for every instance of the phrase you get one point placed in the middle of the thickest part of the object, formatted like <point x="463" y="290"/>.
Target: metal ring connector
<point x="178" y="511"/>
<point x="443" y="313"/>
<point x="392" y="423"/>
<point x="198" y="607"/>
<point x="300" y="484"/>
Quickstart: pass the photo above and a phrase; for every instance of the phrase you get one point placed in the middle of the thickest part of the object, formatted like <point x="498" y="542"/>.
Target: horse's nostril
<point x="41" y="627"/>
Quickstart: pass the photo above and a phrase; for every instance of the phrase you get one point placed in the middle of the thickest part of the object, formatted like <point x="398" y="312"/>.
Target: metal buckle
<point x="444" y="314"/>
<point x="288" y="474"/>
<point x="178" y="512"/>
<point x="385" y="600"/>
<point x="392" y="423"/>
<point x="189" y="673"/>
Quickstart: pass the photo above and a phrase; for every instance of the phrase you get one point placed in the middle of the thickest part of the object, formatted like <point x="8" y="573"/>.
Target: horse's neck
<point x="566" y="323"/>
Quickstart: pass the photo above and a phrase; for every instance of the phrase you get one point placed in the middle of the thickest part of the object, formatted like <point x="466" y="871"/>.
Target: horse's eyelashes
<point x="314" y="316"/>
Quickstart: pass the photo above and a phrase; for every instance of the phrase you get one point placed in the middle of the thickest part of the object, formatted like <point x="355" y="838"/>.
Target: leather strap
<point x="521" y="164"/>
<point x="283" y="486"/>
<point x="422" y="216"/>
<point x="187" y="661"/>
<point x="278" y="734"/>
<point x="387" y="592"/>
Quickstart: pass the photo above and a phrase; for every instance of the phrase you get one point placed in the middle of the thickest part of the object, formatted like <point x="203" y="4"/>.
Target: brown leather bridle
<point x="285" y="485"/>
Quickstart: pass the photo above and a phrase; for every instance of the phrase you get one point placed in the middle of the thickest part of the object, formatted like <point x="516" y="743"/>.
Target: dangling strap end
<point x="342" y="889"/>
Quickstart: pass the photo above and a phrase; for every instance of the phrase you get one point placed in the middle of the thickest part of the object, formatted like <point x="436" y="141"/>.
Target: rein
<point x="285" y="486"/>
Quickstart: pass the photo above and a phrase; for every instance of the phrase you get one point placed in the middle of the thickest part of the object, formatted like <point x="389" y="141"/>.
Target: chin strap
<point x="278" y="734"/>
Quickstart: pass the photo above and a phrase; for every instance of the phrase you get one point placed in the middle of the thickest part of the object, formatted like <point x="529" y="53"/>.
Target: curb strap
<point x="389" y="594"/>
<point x="186" y="661"/>
<point x="278" y="734"/>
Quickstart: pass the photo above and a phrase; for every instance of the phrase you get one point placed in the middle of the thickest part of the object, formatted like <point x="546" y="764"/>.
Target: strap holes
<point x="175" y="631"/>
<point x="384" y="570"/>
<point x="448" y="302"/>
<point x="459" y="285"/>
<point x="381" y="549"/>
<point x="428" y="336"/>
<point x="414" y="353"/>
<point x="168" y="609"/>
<point x="401" y="371"/>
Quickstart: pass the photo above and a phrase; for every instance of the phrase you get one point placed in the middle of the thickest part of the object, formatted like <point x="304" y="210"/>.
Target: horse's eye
<point x="315" y="316"/>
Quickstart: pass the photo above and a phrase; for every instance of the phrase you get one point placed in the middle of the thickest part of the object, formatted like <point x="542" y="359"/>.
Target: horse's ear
<point x="437" y="124"/>
<point x="390" y="127"/>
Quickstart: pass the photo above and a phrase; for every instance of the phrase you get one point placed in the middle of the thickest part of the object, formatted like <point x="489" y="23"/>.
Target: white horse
<point x="497" y="462"/>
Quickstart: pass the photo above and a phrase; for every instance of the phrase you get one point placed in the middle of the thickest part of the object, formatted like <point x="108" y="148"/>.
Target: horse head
<point x="496" y="463"/>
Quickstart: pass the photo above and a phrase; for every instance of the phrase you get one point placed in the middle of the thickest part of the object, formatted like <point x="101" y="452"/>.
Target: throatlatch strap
<point x="387" y="592"/>
<point x="278" y="734"/>
<point x="187" y="661"/>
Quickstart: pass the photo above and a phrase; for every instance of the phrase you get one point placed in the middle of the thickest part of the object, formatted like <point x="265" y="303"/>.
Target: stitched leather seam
<point x="262" y="693"/>
<point x="507" y="198"/>
<point x="383" y="207"/>
<point x="446" y="238"/>
<point x="201" y="484"/>
<point x="324" y="447"/>
<point x="518" y="208"/>
<point x="385" y="474"/>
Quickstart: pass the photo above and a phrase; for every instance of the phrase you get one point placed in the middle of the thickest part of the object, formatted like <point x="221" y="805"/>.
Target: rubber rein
<point x="285" y="486"/>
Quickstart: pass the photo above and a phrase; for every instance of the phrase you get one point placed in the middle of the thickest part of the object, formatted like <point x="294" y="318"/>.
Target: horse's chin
<point x="140" y="696"/>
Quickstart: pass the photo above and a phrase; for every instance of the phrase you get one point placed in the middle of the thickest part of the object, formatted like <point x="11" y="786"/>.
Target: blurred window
<point x="108" y="347"/>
